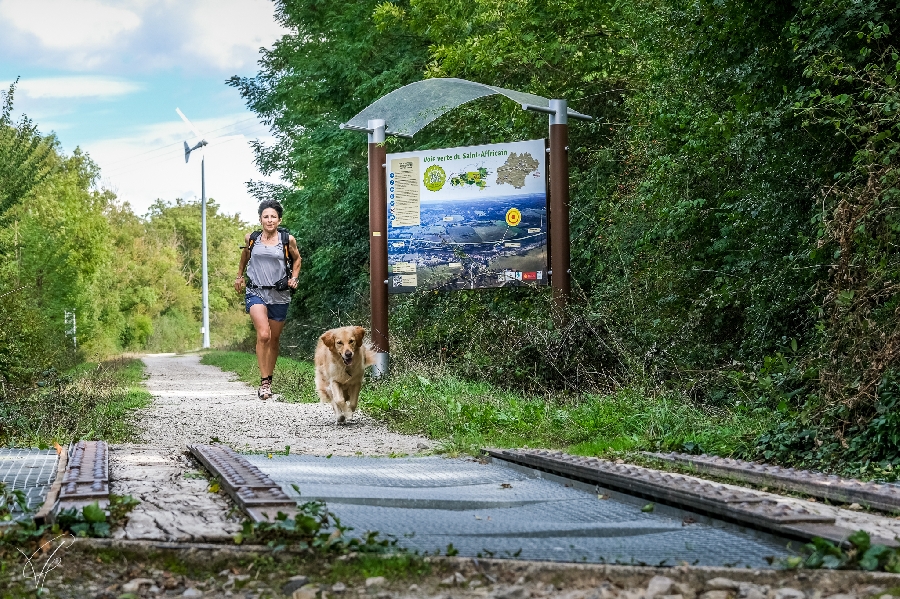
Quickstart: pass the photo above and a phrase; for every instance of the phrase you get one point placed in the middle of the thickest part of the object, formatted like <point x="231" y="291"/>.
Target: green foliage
<point x="733" y="209"/>
<point x="93" y="521"/>
<point x="312" y="528"/>
<point x="11" y="500"/>
<point x="67" y="246"/>
<point x="860" y="554"/>
<point x="26" y="157"/>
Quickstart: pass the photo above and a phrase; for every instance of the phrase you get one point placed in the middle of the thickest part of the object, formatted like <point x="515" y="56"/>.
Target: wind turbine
<point x="187" y="156"/>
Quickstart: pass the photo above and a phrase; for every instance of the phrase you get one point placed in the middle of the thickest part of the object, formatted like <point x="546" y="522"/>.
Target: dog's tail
<point x="369" y="356"/>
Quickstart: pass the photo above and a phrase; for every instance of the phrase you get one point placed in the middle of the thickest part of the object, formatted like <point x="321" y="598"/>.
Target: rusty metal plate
<point x="817" y="484"/>
<point x="744" y="507"/>
<point x="257" y="494"/>
<point x="86" y="479"/>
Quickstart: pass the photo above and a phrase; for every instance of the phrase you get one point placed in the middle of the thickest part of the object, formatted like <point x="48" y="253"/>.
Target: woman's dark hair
<point x="274" y="204"/>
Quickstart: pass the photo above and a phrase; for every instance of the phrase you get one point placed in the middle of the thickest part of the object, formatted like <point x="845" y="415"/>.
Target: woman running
<point x="272" y="263"/>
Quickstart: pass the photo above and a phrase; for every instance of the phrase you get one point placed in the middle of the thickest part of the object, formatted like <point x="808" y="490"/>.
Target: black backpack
<point x="285" y="238"/>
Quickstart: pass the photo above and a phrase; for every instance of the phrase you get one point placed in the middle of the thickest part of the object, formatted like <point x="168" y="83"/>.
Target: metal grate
<point x="747" y="508"/>
<point x="29" y="470"/>
<point x="491" y="510"/>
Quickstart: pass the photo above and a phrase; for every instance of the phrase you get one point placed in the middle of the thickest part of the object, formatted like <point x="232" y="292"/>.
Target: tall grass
<point x="465" y="416"/>
<point x="92" y="401"/>
<point x="293" y="380"/>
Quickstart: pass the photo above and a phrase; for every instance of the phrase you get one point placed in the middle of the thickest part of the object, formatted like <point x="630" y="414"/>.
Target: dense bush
<point x="733" y="204"/>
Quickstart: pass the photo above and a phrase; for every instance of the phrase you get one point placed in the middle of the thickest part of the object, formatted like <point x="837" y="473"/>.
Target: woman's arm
<point x="295" y="257"/>
<point x="245" y="257"/>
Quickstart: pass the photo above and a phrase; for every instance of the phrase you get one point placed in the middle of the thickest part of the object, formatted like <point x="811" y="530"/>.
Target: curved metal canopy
<point x="408" y="109"/>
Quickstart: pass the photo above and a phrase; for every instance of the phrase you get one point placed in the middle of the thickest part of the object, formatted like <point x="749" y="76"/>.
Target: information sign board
<point x="467" y="218"/>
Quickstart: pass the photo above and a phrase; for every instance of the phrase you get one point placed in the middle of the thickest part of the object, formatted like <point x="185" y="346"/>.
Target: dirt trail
<point x="195" y="403"/>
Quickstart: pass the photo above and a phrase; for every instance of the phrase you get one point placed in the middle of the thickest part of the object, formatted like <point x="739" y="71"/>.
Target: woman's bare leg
<point x="259" y="314"/>
<point x="275" y="328"/>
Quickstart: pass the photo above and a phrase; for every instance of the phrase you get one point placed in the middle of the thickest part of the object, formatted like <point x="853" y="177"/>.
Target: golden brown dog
<point x="341" y="360"/>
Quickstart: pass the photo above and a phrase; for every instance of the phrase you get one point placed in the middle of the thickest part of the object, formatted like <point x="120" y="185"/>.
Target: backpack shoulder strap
<point x="254" y="237"/>
<point x="285" y="242"/>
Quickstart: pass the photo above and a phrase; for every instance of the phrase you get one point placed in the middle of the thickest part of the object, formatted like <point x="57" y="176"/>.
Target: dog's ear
<point x="328" y="339"/>
<point x="359" y="333"/>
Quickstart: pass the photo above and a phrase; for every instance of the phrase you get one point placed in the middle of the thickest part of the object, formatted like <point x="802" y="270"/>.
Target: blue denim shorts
<point x="277" y="312"/>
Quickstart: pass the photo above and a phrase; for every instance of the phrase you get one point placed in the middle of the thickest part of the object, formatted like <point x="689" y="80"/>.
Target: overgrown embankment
<point x="92" y="401"/>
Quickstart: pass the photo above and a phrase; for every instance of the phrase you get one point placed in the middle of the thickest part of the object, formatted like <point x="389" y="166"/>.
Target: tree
<point x="26" y="157"/>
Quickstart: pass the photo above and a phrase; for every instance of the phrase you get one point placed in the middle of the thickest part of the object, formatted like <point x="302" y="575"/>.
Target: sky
<point x="107" y="75"/>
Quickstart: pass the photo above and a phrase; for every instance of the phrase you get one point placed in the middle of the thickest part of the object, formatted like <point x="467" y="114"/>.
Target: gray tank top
<point x="266" y="266"/>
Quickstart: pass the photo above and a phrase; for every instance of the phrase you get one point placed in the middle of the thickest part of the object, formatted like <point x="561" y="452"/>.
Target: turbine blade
<point x="187" y="152"/>
<point x="189" y="124"/>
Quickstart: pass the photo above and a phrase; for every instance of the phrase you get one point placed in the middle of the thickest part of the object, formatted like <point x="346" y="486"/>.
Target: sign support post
<point x="560" y="246"/>
<point x="413" y="107"/>
<point x="378" y="256"/>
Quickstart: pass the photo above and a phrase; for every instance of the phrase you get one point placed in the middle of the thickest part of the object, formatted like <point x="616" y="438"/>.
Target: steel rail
<point x="254" y="492"/>
<point x="86" y="479"/>
<point x="826" y="486"/>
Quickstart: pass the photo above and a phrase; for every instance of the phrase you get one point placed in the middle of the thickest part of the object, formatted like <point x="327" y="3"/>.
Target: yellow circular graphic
<point x="513" y="217"/>
<point x="435" y="177"/>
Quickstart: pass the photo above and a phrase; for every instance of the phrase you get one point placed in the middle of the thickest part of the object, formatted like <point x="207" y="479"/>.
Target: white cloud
<point x="70" y="24"/>
<point x="74" y="87"/>
<point x="229" y="34"/>
<point x="144" y="35"/>
<point x="150" y="164"/>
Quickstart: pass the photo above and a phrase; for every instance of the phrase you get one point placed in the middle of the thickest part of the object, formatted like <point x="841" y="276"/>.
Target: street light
<point x="187" y="156"/>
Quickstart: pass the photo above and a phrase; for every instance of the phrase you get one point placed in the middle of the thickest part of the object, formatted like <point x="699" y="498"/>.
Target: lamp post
<point x="205" y="283"/>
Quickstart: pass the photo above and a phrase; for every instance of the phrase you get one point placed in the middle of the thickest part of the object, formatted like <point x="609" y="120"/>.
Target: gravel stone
<point x="513" y="592"/>
<point x="722" y="584"/>
<point x="788" y="593"/>
<point x="132" y="586"/>
<point x="294" y="583"/>
<point x="374" y="581"/>
<point x="718" y="594"/>
<point x="659" y="585"/>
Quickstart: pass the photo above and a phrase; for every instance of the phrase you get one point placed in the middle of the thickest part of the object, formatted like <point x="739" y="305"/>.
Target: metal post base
<point x="380" y="367"/>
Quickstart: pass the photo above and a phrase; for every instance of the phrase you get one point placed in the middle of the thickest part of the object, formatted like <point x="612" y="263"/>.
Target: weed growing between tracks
<point x="860" y="554"/>
<point x="465" y="415"/>
<point x="91" y="401"/>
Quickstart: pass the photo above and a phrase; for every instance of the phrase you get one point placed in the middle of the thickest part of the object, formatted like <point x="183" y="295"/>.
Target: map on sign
<point x="467" y="218"/>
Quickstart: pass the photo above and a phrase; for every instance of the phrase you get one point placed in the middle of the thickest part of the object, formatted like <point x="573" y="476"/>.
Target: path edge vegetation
<point x="465" y="416"/>
<point x="92" y="401"/>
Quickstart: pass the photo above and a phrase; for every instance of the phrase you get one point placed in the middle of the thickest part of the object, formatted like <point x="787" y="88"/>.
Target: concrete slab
<point x="488" y="510"/>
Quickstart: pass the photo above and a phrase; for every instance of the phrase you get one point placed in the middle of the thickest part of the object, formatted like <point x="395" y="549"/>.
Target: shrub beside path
<point x="195" y="403"/>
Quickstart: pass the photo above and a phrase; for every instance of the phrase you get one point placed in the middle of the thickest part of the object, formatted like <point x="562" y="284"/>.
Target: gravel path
<point x="194" y="403"/>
